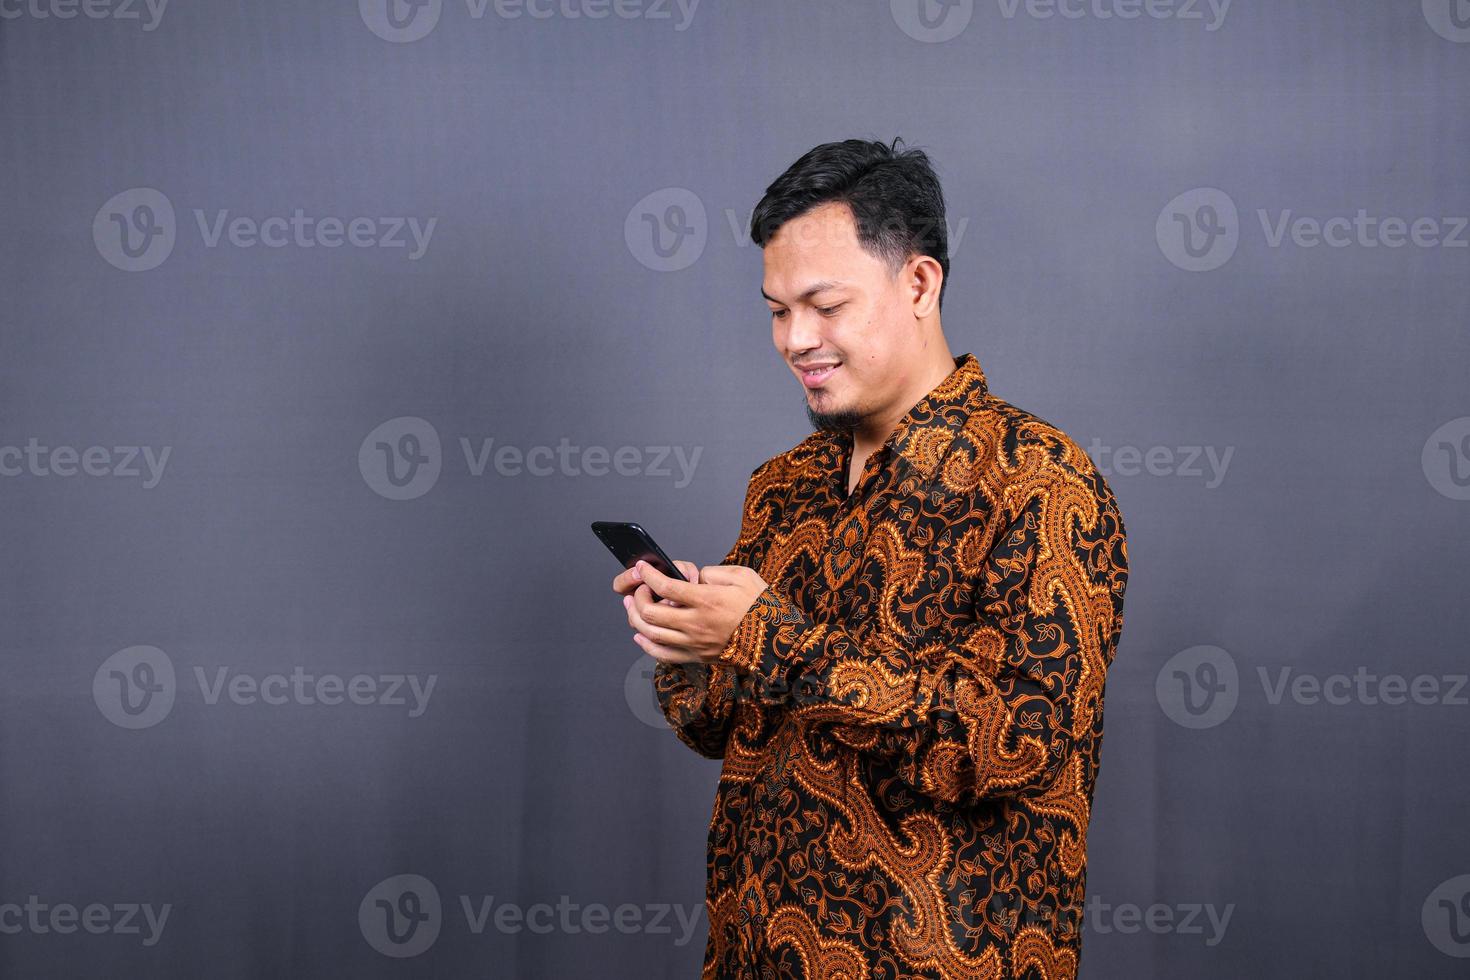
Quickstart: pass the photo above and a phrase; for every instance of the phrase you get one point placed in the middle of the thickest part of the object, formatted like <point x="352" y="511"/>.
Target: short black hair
<point x="893" y="193"/>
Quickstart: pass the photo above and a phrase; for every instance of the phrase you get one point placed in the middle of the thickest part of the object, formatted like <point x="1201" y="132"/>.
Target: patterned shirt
<point x="910" y="715"/>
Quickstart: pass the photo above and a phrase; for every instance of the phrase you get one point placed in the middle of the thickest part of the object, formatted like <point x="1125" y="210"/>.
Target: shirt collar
<point x="924" y="434"/>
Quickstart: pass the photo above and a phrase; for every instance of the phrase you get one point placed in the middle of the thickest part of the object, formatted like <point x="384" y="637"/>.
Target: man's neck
<point x="868" y="437"/>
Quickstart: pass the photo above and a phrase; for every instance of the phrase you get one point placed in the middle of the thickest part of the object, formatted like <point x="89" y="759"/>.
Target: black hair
<point x="893" y="193"/>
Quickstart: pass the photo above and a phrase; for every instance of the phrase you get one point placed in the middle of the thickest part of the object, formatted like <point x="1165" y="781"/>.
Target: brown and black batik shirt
<point x="910" y="714"/>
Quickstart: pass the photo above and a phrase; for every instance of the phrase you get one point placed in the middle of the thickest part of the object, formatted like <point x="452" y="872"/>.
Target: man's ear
<point x="923" y="278"/>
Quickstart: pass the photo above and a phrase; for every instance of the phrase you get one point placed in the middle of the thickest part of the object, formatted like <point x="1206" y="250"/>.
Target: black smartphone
<point x="629" y="543"/>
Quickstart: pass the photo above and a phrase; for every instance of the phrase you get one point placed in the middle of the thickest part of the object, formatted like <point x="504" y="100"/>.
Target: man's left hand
<point x="701" y="616"/>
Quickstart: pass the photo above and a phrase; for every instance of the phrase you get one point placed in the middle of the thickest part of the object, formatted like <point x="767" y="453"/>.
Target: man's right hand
<point x="627" y="581"/>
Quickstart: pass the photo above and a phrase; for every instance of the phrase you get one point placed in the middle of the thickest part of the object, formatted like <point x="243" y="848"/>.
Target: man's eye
<point x="778" y="314"/>
<point x="828" y="310"/>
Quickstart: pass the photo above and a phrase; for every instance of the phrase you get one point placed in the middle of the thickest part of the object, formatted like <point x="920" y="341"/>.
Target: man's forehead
<point x="805" y="290"/>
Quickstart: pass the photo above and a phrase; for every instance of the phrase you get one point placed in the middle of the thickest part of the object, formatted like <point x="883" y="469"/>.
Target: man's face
<point x="831" y="303"/>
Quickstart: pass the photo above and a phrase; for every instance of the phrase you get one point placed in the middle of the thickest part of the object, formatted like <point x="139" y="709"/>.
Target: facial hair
<point x="840" y="420"/>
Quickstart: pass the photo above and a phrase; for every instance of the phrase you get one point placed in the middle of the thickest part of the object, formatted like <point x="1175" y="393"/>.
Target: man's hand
<point x="693" y="620"/>
<point x="627" y="581"/>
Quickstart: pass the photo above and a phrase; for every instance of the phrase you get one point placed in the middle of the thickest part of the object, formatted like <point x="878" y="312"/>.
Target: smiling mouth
<point x="816" y="377"/>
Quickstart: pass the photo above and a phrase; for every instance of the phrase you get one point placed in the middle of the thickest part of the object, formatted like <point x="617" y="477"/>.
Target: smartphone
<point x="629" y="543"/>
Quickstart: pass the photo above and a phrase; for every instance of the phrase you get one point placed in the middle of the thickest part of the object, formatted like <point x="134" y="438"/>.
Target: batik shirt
<point x="910" y="714"/>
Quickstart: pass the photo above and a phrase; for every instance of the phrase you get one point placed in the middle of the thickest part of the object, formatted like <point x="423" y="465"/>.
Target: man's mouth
<point x="816" y="376"/>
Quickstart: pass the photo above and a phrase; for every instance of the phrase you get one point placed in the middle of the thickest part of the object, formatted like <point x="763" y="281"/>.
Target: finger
<point x="722" y="574"/>
<point x="639" y="606"/>
<point x="625" y="582"/>
<point x="663" y="653"/>
<point x="666" y="586"/>
<point x="690" y="571"/>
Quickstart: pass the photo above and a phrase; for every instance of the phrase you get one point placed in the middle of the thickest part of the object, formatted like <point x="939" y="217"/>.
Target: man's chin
<point x="843" y="420"/>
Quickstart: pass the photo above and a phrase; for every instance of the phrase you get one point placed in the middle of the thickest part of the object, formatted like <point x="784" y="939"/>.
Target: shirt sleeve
<point x="988" y="706"/>
<point x="698" y="700"/>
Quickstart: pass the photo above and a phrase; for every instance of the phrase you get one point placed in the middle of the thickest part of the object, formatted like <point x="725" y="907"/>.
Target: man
<point x="901" y="660"/>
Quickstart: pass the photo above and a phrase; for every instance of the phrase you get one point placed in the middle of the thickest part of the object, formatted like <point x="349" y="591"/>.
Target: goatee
<point x="841" y="420"/>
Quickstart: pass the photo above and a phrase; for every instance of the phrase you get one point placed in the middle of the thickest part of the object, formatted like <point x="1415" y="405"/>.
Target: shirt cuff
<point x="773" y="644"/>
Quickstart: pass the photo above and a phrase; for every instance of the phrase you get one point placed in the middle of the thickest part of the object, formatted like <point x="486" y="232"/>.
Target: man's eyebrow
<point x="815" y="287"/>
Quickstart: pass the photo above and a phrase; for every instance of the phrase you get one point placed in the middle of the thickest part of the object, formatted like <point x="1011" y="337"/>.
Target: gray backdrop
<point x="327" y="329"/>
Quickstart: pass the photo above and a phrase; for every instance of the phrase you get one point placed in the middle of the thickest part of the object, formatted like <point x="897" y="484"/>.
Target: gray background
<point x="1333" y="834"/>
